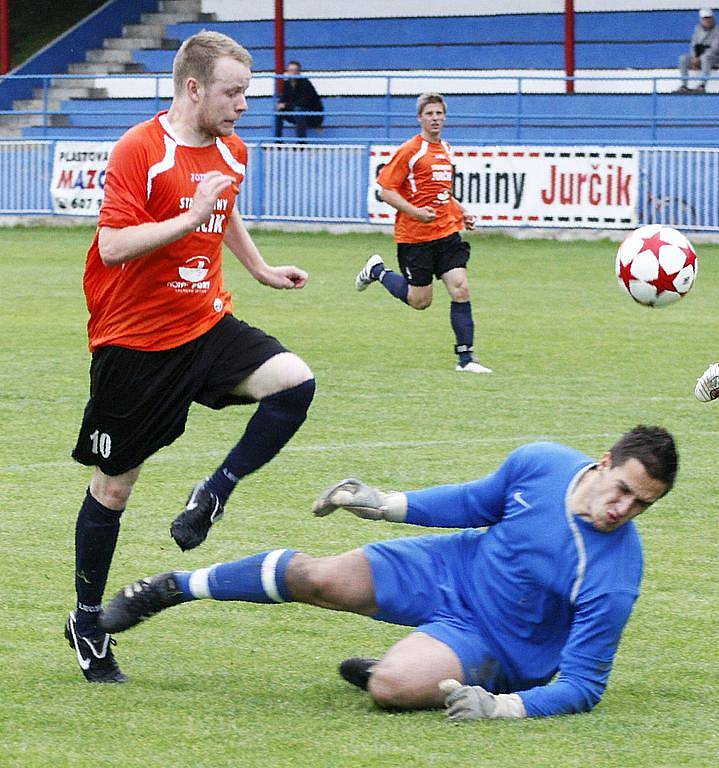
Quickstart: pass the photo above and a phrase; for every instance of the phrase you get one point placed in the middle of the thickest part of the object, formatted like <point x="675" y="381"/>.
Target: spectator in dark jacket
<point x="298" y="95"/>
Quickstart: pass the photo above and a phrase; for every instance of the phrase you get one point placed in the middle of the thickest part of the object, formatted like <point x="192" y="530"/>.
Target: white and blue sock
<point x="254" y="579"/>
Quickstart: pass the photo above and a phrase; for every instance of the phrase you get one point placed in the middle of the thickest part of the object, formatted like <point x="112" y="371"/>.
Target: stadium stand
<point x="501" y="72"/>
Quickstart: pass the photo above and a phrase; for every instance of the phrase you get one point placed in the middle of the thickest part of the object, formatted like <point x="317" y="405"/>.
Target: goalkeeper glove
<point x="362" y="500"/>
<point x="472" y="702"/>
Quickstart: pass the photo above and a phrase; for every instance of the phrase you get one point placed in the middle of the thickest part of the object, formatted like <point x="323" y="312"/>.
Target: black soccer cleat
<point x="203" y="509"/>
<point x="94" y="654"/>
<point x="357" y="670"/>
<point x="140" y="600"/>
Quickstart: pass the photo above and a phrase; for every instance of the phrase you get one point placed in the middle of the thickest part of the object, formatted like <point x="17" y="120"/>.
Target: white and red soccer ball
<point x="656" y="265"/>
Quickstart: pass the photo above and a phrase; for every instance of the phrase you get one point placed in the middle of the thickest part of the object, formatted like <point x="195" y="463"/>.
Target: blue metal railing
<point x="329" y="183"/>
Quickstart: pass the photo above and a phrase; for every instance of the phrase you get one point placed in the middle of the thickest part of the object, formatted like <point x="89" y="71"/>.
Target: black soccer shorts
<point x="419" y="262"/>
<point x="139" y="400"/>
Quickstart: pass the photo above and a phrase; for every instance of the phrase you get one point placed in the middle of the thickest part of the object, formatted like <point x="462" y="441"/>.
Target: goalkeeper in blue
<point x="518" y="615"/>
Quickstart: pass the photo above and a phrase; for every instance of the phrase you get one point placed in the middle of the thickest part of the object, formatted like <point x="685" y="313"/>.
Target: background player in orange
<point x="161" y="329"/>
<point x="417" y="181"/>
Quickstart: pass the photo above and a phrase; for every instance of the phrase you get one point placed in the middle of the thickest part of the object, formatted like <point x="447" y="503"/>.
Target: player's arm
<point x="586" y="659"/>
<point x="120" y="245"/>
<point x="393" y="198"/>
<point x="465" y="505"/>
<point x="584" y="671"/>
<point x="469" y="218"/>
<point x="238" y="240"/>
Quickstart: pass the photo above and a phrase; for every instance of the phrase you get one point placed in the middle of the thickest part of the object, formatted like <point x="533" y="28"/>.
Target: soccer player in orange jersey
<point x="161" y="329"/>
<point x="417" y="181"/>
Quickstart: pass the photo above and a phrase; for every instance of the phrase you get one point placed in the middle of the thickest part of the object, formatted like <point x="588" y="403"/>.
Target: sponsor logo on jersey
<point x="197" y="270"/>
<point x="192" y="276"/>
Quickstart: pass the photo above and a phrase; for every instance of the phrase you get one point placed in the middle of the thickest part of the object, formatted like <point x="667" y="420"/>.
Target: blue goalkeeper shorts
<point x="419" y="582"/>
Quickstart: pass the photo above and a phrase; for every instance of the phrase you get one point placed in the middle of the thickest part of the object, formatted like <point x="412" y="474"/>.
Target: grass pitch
<point x="225" y="684"/>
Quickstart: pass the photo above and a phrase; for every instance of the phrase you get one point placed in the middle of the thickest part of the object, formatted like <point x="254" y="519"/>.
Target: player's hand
<point x="469" y="220"/>
<point x="208" y="190"/>
<point x="425" y="215"/>
<point x="467" y="702"/>
<point x="472" y="702"/>
<point x="285" y="277"/>
<point x="353" y="495"/>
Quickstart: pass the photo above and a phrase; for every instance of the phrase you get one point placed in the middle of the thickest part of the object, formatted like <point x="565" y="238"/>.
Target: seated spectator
<point x="298" y="95"/>
<point x="703" y="52"/>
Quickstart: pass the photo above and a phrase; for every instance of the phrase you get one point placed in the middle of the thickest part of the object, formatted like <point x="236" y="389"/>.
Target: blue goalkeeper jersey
<point x="551" y="593"/>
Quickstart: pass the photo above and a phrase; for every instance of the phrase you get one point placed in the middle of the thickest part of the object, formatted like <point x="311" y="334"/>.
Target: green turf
<point x="230" y="685"/>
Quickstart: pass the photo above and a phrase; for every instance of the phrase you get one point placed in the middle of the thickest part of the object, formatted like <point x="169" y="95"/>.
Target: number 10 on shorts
<point x="101" y="443"/>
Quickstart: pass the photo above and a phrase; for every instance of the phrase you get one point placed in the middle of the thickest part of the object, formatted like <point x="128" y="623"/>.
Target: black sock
<point x="96" y="533"/>
<point x="274" y="422"/>
<point x="460" y="315"/>
<point x="395" y="283"/>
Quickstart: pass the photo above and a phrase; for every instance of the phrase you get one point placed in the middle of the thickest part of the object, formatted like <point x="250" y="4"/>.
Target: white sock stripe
<point x="199" y="583"/>
<point x="268" y="575"/>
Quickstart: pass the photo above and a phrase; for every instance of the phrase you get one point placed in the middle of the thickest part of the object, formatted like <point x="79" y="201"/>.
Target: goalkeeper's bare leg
<point x="406" y="677"/>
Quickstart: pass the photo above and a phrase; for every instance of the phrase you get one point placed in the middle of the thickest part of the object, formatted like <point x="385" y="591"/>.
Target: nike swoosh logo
<point x="84" y="663"/>
<point x="517" y="496"/>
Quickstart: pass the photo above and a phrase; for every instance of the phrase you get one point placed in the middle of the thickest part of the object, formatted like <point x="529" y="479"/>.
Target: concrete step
<point x="20" y="121"/>
<point x="36" y="105"/>
<point x="109" y="68"/>
<point x="168" y="18"/>
<point x="131" y="43"/>
<point x="109" y="55"/>
<point x="72" y="82"/>
<point x="143" y="30"/>
<point x="180" y="6"/>
<point x="72" y="93"/>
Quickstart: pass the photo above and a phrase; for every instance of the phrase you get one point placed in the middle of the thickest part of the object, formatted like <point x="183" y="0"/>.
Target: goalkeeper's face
<point x="222" y="102"/>
<point x="617" y="494"/>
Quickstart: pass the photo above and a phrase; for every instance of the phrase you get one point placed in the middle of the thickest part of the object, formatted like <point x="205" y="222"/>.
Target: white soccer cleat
<point x="707" y="387"/>
<point x="473" y="366"/>
<point x="364" y="276"/>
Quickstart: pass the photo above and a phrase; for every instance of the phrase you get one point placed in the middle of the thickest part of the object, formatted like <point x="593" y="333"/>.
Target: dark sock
<point x="377" y="270"/>
<point x="460" y="315"/>
<point x="272" y="425"/>
<point x="395" y="283"/>
<point x="254" y="579"/>
<point x="96" y="534"/>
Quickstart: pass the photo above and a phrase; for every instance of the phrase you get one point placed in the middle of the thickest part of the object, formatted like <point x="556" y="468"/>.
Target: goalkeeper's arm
<point x="362" y="500"/>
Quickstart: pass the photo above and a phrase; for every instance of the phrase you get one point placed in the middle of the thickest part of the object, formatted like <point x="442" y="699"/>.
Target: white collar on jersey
<point x="170" y="131"/>
<point x="573" y="484"/>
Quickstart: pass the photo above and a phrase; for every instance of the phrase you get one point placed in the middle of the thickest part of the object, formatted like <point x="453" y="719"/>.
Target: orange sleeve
<point x="126" y="183"/>
<point x="394" y="174"/>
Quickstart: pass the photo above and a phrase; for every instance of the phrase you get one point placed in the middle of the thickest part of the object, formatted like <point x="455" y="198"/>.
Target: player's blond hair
<point x="197" y="56"/>
<point x="430" y="98"/>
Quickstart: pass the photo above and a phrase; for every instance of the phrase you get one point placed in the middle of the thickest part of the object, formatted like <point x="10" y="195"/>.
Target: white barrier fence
<point x="331" y="183"/>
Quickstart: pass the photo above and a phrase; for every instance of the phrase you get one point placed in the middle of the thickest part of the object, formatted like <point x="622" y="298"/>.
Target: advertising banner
<point x="78" y="176"/>
<point x="581" y="187"/>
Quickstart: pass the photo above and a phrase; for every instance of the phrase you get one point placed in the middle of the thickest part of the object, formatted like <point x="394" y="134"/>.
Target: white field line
<point x="170" y="458"/>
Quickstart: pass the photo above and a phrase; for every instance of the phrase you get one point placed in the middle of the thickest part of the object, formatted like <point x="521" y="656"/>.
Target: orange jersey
<point x="174" y="294"/>
<point x="421" y="171"/>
